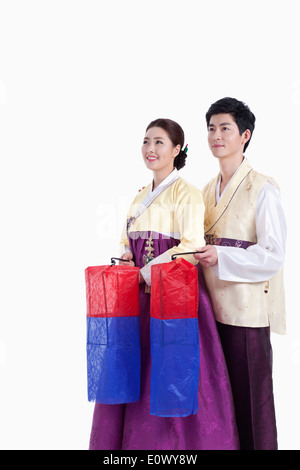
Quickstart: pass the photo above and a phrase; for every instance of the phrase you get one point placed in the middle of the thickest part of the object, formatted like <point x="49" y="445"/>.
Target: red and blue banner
<point x="174" y="334"/>
<point x="113" y="334"/>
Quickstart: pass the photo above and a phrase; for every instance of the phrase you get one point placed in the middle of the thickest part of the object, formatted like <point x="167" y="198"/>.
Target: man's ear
<point x="246" y="136"/>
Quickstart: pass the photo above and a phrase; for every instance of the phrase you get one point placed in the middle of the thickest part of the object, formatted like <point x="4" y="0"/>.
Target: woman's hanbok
<point x="162" y="223"/>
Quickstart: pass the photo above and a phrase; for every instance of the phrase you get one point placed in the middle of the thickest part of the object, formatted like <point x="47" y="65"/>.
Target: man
<point x="242" y="262"/>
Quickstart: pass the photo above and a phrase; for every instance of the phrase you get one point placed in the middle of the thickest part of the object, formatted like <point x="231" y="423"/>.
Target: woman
<point x="166" y="218"/>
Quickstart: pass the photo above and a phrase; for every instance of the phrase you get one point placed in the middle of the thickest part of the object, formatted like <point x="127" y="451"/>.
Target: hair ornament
<point x="179" y="161"/>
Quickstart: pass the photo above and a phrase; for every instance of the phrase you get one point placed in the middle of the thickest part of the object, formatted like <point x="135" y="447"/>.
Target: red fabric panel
<point x="112" y="291"/>
<point x="174" y="290"/>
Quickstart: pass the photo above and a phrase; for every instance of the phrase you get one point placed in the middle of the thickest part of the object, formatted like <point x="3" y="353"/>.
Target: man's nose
<point x="217" y="134"/>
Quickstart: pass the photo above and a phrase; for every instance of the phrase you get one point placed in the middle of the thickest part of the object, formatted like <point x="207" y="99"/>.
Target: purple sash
<point x="211" y="240"/>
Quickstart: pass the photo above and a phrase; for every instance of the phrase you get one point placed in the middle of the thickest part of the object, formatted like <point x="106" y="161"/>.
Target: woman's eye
<point x="159" y="142"/>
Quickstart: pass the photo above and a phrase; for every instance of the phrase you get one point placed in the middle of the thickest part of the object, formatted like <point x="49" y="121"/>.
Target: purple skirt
<point x="131" y="427"/>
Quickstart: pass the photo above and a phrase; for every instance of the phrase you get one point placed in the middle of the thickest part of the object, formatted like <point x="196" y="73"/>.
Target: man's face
<point x="224" y="138"/>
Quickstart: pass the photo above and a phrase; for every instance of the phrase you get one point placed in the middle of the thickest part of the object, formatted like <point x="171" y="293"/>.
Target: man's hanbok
<point x="247" y="225"/>
<point x="160" y="223"/>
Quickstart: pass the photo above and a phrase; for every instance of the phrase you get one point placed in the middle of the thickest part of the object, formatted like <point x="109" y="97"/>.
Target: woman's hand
<point x="129" y="256"/>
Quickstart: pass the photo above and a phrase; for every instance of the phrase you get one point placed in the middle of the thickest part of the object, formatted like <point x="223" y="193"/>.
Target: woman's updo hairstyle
<point x="176" y="135"/>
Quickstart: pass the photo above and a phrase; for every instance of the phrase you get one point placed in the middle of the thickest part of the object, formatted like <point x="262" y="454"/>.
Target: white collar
<point x="173" y="176"/>
<point x="218" y="197"/>
<point x="152" y="195"/>
<point x="163" y="185"/>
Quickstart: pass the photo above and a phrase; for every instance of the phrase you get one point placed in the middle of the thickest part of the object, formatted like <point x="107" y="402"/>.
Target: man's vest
<point x="257" y="304"/>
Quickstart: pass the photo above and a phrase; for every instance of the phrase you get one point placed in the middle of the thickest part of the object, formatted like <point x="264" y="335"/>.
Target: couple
<point x="238" y="226"/>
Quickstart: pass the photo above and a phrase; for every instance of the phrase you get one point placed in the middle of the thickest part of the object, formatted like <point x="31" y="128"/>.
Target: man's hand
<point x="208" y="256"/>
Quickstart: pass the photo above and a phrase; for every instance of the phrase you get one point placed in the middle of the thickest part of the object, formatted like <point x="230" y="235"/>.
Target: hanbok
<point x="161" y="223"/>
<point x="247" y="225"/>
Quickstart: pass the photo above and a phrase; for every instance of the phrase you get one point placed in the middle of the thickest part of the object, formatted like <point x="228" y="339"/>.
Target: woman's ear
<point x="176" y="150"/>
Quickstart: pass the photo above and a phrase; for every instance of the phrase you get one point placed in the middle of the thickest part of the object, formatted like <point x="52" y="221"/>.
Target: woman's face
<point x="158" y="151"/>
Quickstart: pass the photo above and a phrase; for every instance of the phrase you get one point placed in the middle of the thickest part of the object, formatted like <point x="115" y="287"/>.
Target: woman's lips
<point x="151" y="158"/>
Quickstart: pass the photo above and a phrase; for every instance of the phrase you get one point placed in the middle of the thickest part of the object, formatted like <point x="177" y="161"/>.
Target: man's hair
<point x="240" y="112"/>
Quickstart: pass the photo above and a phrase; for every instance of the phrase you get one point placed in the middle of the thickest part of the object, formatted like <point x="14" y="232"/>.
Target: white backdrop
<point x="79" y="82"/>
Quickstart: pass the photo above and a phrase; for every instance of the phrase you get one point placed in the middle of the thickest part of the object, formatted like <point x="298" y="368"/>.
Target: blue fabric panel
<point x="175" y="366"/>
<point x="113" y="359"/>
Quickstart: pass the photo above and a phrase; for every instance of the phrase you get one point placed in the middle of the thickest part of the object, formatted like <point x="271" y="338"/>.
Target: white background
<point x="79" y="82"/>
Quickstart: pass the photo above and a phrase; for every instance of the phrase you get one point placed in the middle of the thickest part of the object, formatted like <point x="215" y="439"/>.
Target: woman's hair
<point x="176" y="135"/>
<point x="240" y="112"/>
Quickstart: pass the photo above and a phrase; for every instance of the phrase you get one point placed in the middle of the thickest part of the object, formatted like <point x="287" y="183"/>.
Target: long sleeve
<point x="263" y="260"/>
<point x="124" y="242"/>
<point x="189" y="215"/>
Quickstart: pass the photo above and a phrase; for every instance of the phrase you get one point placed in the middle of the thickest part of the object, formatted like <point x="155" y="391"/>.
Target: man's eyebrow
<point x="222" y="124"/>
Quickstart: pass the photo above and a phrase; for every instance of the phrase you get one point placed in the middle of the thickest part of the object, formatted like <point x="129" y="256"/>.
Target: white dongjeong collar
<point x="170" y="178"/>
<point x="162" y="186"/>
<point x="152" y="195"/>
<point x="218" y="197"/>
